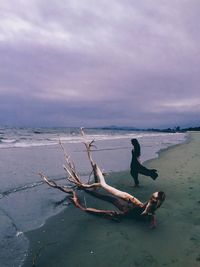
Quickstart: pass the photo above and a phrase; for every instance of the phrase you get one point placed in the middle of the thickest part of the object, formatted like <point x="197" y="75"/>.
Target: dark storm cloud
<point x="100" y="62"/>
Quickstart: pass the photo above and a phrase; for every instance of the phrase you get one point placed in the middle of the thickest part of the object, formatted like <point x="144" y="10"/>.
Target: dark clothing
<point x="128" y="209"/>
<point x="137" y="167"/>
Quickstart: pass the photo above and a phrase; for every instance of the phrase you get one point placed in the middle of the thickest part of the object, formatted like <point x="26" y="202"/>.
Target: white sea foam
<point x="19" y="233"/>
<point x="23" y="140"/>
<point x="8" y="140"/>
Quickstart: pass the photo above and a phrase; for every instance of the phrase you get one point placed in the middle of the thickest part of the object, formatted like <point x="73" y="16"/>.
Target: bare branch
<point x="124" y="201"/>
<point x="75" y="200"/>
<point x="55" y="185"/>
<point x="99" y="177"/>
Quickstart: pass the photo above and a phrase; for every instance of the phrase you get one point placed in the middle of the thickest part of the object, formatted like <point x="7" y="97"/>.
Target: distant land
<point x="166" y="130"/>
<point x="175" y="130"/>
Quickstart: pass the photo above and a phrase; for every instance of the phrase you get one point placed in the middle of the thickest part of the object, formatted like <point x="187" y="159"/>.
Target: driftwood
<point x="126" y="204"/>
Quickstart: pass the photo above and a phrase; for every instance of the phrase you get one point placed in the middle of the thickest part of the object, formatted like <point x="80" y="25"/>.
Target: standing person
<point x="137" y="167"/>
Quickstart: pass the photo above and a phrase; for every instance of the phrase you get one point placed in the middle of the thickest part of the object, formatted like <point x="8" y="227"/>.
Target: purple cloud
<point x="99" y="63"/>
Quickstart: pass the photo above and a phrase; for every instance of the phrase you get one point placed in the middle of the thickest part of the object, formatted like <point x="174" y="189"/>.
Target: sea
<point x="26" y="202"/>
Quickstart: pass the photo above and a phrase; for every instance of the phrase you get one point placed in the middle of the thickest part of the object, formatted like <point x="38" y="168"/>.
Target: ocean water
<point x="26" y="202"/>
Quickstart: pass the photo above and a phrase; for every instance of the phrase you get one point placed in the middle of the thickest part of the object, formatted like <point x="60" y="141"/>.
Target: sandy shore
<point x="74" y="238"/>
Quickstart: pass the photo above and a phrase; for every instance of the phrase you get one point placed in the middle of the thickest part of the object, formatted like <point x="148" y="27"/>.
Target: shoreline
<point x="26" y="204"/>
<point x="163" y="150"/>
<point x="119" y="172"/>
<point x="71" y="217"/>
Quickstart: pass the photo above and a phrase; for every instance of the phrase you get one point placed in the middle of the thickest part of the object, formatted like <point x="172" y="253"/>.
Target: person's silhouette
<point x="137" y="167"/>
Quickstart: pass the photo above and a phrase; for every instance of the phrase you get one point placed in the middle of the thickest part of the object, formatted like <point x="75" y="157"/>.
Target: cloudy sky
<point x="97" y="63"/>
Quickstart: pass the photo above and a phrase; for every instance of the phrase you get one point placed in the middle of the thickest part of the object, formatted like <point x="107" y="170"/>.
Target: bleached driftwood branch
<point x="125" y="202"/>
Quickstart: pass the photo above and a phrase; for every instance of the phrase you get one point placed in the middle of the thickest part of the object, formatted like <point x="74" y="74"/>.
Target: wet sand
<point x="74" y="238"/>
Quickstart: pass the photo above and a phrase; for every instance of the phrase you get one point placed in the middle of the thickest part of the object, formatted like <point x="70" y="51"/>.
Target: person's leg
<point x="149" y="172"/>
<point x="134" y="174"/>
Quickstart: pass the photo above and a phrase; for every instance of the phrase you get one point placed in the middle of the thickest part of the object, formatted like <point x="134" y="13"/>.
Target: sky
<point x="100" y="63"/>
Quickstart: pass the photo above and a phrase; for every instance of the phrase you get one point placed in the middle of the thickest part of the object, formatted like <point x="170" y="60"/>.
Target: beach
<point x="75" y="238"/>
<point x="26" y="203"/>
<point x="119" y="79"/>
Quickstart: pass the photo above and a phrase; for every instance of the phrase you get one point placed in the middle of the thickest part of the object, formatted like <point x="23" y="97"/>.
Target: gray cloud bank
<point x="94" y="63"/>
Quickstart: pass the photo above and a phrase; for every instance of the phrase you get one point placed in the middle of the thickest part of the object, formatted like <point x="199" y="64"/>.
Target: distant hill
<point x="166" y="130"/>
<point x="118" y="128"/>
<point x="190" y="129"/>
<point x="175" y="129"/>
